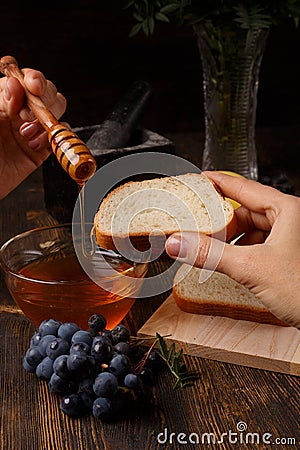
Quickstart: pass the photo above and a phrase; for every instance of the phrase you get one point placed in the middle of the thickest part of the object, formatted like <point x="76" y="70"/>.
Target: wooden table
<point x="265" y="402"/>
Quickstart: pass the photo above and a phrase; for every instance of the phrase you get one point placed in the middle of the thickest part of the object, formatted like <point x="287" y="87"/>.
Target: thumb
<point x="204" y="251"/>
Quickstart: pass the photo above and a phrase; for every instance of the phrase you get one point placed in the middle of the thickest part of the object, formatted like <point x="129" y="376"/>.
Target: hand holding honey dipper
<point x="29" y="107"/>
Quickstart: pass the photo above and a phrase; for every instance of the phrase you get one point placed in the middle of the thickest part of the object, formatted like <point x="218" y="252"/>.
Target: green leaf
<point x="138" y="17"/>
<point x="151" y="24"/>
<point x="175" y="363"/>
<point x="170" y="8"/>
<point x="250" y="18"/>
<point x="179" y="354"/>
<point x="130" y="4"/>
<point x="135" y="29"/>
<point x="145" y="27"/>
<point x="162" y="344"/>
<point x="161" y="17"/>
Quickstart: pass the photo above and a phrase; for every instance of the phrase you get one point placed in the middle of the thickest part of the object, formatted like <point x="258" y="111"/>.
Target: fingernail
<point x="176" y="246"/>
<point x="29" y="131"/>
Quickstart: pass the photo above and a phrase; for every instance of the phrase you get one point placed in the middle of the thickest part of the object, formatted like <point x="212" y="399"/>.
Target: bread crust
<point x="237" y="312"/>
<point x="117" y="243"/>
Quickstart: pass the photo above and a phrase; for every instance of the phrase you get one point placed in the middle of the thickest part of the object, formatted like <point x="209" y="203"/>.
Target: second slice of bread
<point x="166" y="205"/>
<point x="218" y="295"/>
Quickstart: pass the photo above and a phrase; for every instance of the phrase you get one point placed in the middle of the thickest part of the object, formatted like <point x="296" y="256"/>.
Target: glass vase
<point x="231" y="59"/>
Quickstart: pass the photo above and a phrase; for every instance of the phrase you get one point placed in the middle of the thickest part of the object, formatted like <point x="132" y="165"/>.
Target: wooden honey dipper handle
<point x="71" y="152"/>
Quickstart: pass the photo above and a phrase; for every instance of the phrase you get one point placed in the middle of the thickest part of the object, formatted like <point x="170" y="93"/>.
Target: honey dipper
<point x="71" y="152"/>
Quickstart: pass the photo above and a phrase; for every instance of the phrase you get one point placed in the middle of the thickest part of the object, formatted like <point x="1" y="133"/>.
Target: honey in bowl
<point x="46" y="280"/>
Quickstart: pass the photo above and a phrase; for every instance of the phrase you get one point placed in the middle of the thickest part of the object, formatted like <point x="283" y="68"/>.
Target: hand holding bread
<point x="266" y="258"/>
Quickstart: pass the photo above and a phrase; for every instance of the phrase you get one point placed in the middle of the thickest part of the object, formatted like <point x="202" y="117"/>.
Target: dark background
<point x="84" y="47"/>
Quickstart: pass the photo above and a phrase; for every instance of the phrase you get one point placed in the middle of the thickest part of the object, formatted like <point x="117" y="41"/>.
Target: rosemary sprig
<point x="172" y="358"/>
<point x="174" y="361"/>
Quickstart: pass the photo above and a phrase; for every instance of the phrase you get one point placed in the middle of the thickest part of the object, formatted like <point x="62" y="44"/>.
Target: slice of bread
<point x="162" y="206"/>
<point x="200" y="291"/>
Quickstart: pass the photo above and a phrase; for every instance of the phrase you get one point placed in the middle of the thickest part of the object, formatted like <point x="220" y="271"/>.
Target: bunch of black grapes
<point x="95" y="371"/>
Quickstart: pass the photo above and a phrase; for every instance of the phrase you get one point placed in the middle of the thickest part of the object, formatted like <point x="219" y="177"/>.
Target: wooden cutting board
<point x="240" y="342"/>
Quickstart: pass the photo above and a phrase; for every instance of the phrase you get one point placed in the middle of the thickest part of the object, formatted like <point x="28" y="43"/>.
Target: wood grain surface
<point x="224" y="395"/>
<point x="241" y="342"/>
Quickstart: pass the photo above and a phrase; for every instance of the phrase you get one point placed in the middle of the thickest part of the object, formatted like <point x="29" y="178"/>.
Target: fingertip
<point x="35" y="81"/>
<point x="216" y="175"/>
<point x="175" y="246"/>
<point x="12" y="84"/>
<point x="63" y="103"/>
<point x="14" y="96"/>
<point x="184" y="247"/>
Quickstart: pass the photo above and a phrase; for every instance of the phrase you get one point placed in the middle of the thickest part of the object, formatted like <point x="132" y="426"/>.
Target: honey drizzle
<point x="81" y="199"/>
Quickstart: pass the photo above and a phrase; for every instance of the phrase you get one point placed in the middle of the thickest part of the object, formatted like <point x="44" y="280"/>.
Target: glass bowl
<point x="46" y="280"/>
